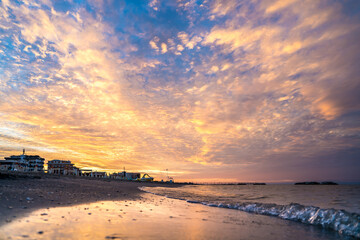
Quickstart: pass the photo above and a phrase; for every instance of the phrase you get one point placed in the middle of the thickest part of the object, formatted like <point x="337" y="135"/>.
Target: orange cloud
<point x="239" y="95"/>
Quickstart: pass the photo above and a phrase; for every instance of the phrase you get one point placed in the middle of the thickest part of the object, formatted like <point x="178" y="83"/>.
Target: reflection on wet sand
<point x="153" y="217"/>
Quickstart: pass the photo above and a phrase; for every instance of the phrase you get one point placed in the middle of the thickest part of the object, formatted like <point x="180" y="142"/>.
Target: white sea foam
<point x="341" y="221"/>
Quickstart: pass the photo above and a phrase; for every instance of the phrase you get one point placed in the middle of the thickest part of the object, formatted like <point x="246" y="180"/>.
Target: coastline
<point x="39" y="204"/>
<point x="22" y="194"/>
<point x="154" y="217"/>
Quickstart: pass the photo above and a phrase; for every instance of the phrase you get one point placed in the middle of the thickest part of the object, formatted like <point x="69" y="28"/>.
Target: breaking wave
<point x="339" y="220"/>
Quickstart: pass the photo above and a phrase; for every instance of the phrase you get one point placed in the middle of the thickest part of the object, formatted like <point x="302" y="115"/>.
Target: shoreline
<point x="28" y="199"/>
<point x="21" y="194"/>
<point x="155" y="217"/>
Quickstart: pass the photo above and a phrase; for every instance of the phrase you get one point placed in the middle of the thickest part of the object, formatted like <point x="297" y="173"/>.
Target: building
<point x="23" y="163"/>
<point x="132" y="176"/>
<point x="143" y="177"/>
<point x="99" y="174"/>
<point x="85" y="172"/>
<point x="119" y="175"/>
<point x="125" y="176"/>
<point x="90" y="173"/>
<point x="62" y="167"/>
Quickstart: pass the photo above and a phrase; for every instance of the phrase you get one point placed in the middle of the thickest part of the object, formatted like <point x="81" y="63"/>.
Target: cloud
<point x="244" y="87"/>
<point x="221" y="7"/>
<point x="153" y="45"/>
<point x="153" y="4"/>
<point x="189" y="43"/>
<point x="279" y="5"/>
<point x="163" y="48"/>
<point x="180" y="48"/>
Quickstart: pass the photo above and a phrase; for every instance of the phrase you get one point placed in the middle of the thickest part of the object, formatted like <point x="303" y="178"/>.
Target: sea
<point x="332" y="207"/>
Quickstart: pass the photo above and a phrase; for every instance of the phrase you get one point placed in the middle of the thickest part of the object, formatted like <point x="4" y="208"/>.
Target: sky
<point x="230" y="91"/>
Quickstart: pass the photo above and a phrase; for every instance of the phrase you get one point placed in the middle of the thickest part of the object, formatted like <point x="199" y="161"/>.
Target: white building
<point x="62" y="167"/>
<point x="23" y="163"/>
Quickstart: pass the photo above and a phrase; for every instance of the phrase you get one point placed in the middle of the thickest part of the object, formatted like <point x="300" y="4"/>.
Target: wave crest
<point x="339" y="220"/>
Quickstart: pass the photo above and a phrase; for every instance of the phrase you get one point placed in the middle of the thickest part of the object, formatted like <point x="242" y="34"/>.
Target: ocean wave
<point x="339" y="220"/>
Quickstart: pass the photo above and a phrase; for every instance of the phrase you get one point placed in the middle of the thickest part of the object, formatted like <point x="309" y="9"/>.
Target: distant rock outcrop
<point x="316" y="183"/>
<point x="329" y="183"/>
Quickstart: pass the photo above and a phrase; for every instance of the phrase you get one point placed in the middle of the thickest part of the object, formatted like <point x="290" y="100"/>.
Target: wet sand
<point x="21" y="194"/>
<point x="155" y="217"/>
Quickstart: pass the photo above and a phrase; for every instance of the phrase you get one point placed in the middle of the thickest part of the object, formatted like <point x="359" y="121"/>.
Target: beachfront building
<point x="132" y="176"/>
<point x="126" y="176"/>
<point x="118" y="175"/>
<point x="23" y="163"/>
<point x="85" y="172"/>
<point x="90" y="173"/>
<point x="99" y="174"/>
<point x="62" y="167"/>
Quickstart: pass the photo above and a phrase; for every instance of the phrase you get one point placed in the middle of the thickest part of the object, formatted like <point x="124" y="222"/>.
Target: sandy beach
<point x="154" y="217"/>
<point x="21" y="194"/>
<point x="53" y="207"/>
